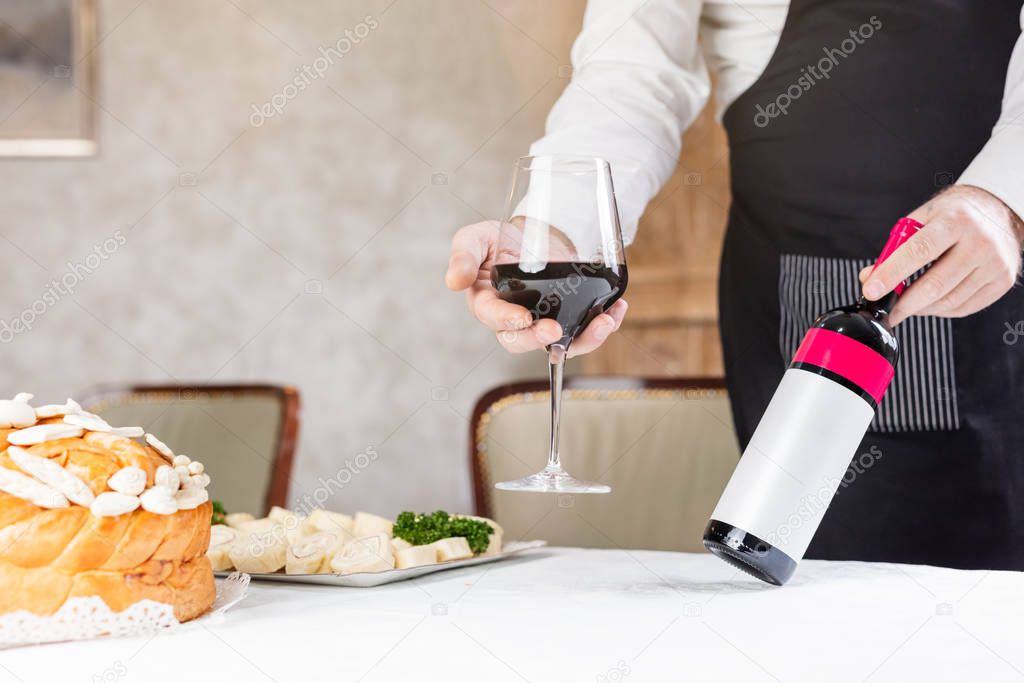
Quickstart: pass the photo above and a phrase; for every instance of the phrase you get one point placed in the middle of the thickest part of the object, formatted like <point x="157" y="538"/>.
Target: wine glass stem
<point x="556" y="362"/>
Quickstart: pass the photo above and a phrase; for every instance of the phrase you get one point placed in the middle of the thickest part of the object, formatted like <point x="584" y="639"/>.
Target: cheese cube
<point x="236" y="519"/>
<point x="367" y="554"/>
<point x="455" y="548"/>
<point x="325" y="520"/>
<point x="416" y="556"/>
<point x="366" y="524"/>
<point x="310" y="554"/>
<point x="221" y="539"/>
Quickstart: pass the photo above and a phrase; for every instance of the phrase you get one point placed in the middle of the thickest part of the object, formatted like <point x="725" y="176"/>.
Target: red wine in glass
<point x="572" y="294"/>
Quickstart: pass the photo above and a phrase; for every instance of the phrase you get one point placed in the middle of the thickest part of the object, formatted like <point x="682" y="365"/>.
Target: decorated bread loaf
<point x="88" y="510"/>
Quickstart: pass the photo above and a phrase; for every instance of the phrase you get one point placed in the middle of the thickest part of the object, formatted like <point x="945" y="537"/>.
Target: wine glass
<point x="560" y="256"/>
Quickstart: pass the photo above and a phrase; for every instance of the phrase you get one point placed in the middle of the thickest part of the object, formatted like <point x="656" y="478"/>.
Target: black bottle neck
<point x="882" y="308"/>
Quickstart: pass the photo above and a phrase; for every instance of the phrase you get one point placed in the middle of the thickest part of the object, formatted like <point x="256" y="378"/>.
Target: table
<point x="585" y="615"/>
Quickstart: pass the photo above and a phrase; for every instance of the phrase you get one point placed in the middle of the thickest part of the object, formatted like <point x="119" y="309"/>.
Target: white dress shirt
<point x="640" y="78"/>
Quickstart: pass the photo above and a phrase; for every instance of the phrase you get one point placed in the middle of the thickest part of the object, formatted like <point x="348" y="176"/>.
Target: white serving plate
<point x="368" y="579"/>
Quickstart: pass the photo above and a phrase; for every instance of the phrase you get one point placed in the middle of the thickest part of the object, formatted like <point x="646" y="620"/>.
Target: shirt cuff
<point x="999" y="167"/>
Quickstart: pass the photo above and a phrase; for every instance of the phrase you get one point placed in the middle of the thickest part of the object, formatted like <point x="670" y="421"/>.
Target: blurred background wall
<point x="238" y="227"/>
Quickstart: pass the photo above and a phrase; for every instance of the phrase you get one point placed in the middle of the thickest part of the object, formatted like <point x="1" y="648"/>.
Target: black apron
<point x="865" y="110"/>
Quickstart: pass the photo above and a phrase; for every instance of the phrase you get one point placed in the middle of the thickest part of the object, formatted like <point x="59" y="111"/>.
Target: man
<point x="842" y="116"/>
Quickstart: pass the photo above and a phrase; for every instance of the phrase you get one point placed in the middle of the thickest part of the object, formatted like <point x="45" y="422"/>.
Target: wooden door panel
<point x="672" y="325"/>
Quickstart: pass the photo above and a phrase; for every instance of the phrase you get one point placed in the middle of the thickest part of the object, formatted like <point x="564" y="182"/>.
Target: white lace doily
<point x="89" y="617"/>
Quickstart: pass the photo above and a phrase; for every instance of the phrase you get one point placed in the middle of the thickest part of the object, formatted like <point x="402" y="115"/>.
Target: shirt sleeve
<point x="999" y="167"/>
<point x="639" y="80"/>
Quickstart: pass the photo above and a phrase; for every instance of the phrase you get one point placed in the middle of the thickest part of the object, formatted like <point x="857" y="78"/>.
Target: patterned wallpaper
<point x="274" y="197"/>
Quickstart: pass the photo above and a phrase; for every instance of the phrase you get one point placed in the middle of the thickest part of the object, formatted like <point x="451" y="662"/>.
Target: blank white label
<point x="795" y="461"/>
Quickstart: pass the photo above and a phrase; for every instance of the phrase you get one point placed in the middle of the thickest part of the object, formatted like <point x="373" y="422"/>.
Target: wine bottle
<point x="780" y="490"/>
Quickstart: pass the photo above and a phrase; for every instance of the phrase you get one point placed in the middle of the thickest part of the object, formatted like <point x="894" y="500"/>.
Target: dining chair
<point x="665" y="446"/>
<point x="244" y="434"/>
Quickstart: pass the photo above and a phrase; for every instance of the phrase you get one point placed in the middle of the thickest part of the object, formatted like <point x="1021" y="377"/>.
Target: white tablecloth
<point x="585" y="615"/>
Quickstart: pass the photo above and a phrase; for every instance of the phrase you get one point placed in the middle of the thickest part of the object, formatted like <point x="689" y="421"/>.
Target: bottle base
<point x="748" y="553"/>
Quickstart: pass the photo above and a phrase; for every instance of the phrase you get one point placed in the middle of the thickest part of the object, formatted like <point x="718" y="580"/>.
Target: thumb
<point x="470" y="249"/>
<point x="864" y="273"/>
<point x="462" y="270"/>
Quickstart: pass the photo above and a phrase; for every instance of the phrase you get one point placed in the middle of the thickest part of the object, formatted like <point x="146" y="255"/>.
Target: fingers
<point x="983" y="298"/>
<point x="462" y="270"/>
<point x="537" y="336"/>
<point x="544" y="332"/>
<point x="618" y="311"/>
<point x="496" y="314"/>
<point x="939" y="281"/>
<point x="592" y="337"/>
<point x="471" y="248"/>
<point x="926" y="246"/>
<point x="950" y="304"/>
<point x="599" y="329"/>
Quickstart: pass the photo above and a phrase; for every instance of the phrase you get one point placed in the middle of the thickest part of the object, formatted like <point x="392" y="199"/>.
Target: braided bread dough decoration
<point x="54" y="547"/>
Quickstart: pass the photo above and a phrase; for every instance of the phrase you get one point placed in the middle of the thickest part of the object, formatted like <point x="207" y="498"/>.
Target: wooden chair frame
<point x="281" y="466"/>
<point x="494" y="399"/>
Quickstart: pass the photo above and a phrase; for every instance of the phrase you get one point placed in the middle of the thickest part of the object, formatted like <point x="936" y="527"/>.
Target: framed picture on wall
<point x="47" y="78"/>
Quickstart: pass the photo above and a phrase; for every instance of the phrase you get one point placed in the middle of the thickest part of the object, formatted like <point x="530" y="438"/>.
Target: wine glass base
<point x="553" y="480"/>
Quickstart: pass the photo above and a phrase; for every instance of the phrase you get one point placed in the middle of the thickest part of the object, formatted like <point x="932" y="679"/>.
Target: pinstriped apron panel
<point x="922" y="396"/>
